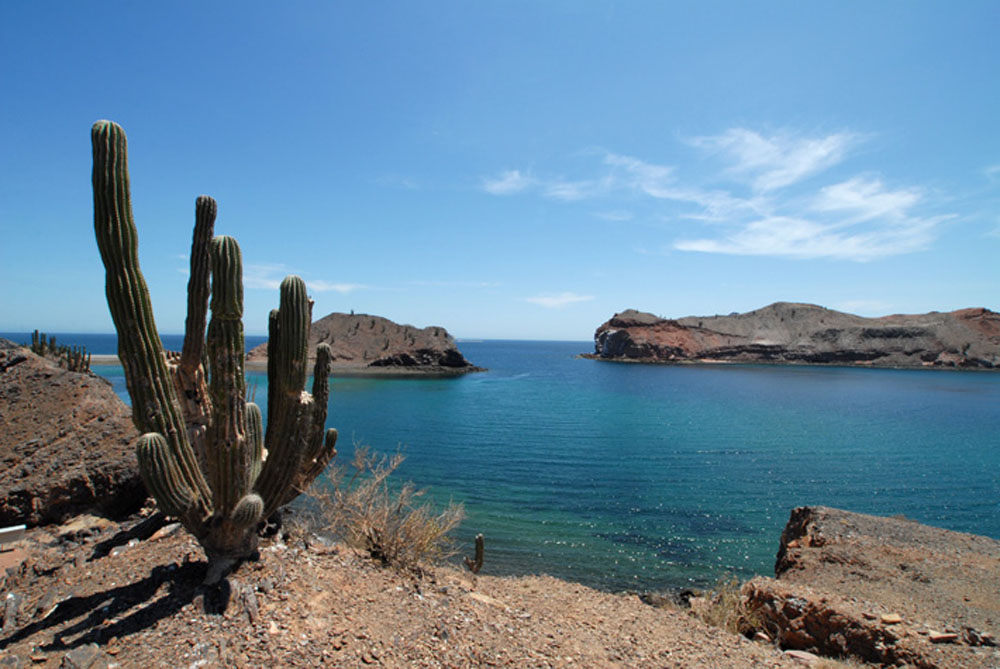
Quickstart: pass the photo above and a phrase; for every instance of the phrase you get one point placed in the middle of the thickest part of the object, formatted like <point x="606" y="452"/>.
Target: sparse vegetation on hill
<point x="73" y="358"/>
<point x="391" y="523"/>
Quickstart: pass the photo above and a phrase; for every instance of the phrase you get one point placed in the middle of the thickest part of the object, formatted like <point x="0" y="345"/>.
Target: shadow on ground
<point x="127" y="609"/>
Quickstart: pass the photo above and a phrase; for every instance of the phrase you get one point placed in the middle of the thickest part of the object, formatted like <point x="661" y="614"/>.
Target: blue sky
<point x="511" y="169"/>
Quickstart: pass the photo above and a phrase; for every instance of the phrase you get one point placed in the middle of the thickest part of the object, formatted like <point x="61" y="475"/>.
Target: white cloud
<point x="771" y="210"/>
<point x="559" y="301"/>
<point x="615" y="215"/>
<point x="458" y="284"/>
<point x="508" y="183"/>
<point x="269" y="277"/>
<point x="576" y="190"/>
<point x="654" y="180"/>
<point x="804" y="239"/>
<point x="779" y="160"/>
<point x="320" y="286"/>
<point x="866" y="199"/>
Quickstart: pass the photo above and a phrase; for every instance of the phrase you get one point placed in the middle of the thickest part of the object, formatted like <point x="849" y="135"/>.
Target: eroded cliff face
<point x="887" y="591"/>
<point x="372" y="342"/>
<point x="787" y="332"/>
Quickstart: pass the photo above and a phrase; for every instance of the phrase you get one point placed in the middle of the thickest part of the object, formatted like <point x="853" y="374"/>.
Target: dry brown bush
<point x="725" y="607"/>
<point x="389" y="522"/>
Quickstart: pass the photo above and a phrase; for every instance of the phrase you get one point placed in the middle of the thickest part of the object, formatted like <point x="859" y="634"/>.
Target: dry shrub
<point x="725" y="607"/>
<point x="391" y="523"/>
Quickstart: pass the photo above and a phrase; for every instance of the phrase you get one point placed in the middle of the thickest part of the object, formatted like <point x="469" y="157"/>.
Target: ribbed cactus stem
<point x="255" y="437"/>
<point x="198" y="282"/>
<point x="230" y="459"/>
<point x="292" y="349"/>
<point x="248" y="511"/>
<point x="154" y="402"/>
<point x="162" y="476"/>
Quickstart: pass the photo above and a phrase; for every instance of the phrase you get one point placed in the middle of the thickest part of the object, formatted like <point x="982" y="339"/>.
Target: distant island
<point x="366" y="345"/>
<point x="793" y="333"/>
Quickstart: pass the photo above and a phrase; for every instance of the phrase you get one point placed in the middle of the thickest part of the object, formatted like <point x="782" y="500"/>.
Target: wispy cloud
<point x="805" y="239"/>
<point x="777" y="160"/>
<point x="866" y="199"/>
<point x="615" y="215"/>
<point x="558" y="301"/>
<point x="779" y="200"/>
<point x="508" y="183"/>
<point x="458" y="284"/>
<point x="269" y="277"/>
<point x="577" y="190"/>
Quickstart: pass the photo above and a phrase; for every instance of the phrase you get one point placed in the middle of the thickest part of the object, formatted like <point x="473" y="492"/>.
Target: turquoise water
<point x="650" y="477"/>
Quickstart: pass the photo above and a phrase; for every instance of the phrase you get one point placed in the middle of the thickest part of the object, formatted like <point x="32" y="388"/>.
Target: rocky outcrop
<point x="65" y="443"/>
<point x="791" y="333"/>
<point x="883" y="590"/>
<point x="372" y="344"/>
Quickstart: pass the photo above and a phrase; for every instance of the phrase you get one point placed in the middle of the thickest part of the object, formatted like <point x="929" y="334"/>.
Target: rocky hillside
<point x="787" y="332"/>
<point x="65" y="442"/>
<point x="378" y="345"/>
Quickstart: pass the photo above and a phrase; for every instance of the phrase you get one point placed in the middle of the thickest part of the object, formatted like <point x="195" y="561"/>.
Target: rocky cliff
<point x="374" y="345"/>
<point x="787" y="332"/>
<point x="65" y="443"/>
<point x="887" y="591"/>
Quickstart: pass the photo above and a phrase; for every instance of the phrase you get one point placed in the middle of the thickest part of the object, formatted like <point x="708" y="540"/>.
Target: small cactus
<point x="75" y="358"/>
<point x="476" y="563"/>
<point x="204" y="454"/>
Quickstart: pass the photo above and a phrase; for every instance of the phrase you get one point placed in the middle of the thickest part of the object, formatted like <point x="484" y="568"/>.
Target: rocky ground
<point x="792" y="333"/>
<point x="884" y="590"/>
<point x="94" y="593"/>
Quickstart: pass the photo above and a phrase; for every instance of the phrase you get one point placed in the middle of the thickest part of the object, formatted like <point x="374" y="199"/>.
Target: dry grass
<point x="725" y="607"/>
<point x="390" y="522"/>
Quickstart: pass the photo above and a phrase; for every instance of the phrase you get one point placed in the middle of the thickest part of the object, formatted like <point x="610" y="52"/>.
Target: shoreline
<point x="342" y="371"/>
<point x="719" y="362"/>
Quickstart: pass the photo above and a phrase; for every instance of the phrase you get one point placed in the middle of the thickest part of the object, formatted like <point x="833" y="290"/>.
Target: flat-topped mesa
<point x="794" y="333"/>
<point x="362" y="343"/>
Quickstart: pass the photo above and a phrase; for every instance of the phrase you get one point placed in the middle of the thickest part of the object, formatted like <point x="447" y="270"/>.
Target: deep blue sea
<point x="642" y="477"/>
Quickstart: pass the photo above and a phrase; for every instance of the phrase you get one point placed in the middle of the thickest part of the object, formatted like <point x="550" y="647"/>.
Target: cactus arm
<point x="165" y="480"/>
<point x="198" y="282"/>
<point x="255" y="437"/>
<point x="229" y="462"/>
<point x="320" y="446"/>
<point x="190" y="371"/>
<point x="248" y="511"/>
<point x="289" y="408"/>
<point x="154" y="403"/>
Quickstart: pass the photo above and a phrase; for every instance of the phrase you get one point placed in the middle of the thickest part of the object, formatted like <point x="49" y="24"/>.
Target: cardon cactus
<point x="204" y="454"/>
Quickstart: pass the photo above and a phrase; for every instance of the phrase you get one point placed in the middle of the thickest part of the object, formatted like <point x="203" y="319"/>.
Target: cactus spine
<point x="202" y="454"/>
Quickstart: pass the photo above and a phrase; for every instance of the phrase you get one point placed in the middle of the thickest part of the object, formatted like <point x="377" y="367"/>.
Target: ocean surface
<point x="642" y="477"/>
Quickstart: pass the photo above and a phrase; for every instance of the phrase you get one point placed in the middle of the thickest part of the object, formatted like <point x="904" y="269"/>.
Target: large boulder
<point x="65" y="443"/>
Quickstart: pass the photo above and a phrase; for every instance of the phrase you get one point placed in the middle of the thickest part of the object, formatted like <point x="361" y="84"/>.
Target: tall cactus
<point x="204" y="454"/>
